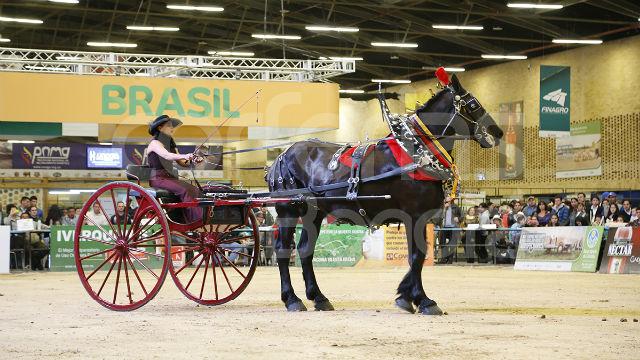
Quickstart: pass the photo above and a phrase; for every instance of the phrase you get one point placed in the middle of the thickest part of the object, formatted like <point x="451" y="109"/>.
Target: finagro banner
<point x="555" y="100"/>
<point x="560" y="248"/>
<point x="580" y="154"/>
<point x="622" y="251"/>
<point x="62" y="257"/>
<point x="337" y="245"/>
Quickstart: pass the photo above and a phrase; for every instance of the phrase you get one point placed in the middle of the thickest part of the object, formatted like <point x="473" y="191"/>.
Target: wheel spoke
<point x="188" y="263"/>
<point x="115" y="206"/>
<point x="105" y="216"/>
<point x="101" y="229"/>
<point x="147" y="239"/>
<point x="94" y="254"/>
<point x="125" y="232"/>
<point x="115" y="293"/>
<point x="135" y="272"/>
<point x="239" y="253"/>
<point x="146" y="252"/>
<point x="215" y="281"/>
<point x="143" y="265"/>
<point x="196" y="247"/>
<point x="97" y="240"/>
<point x="139" y="229"/>
<point x="225" y="276"/>
<point x="186" y="236"/>
<point x="232" y="240"/>
<point x="126" y="276"/>
<point x="194" y="273"/>
<point x="101" y="265"/>
<point x="109" y="273"/>
<point x="204" y="279"/>
<point x="232" y="265"/>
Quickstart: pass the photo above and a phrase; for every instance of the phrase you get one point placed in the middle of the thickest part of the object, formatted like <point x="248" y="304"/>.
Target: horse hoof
<point x="405" y="305"/>
<point x="296" y="306"/>
<point x="430" y="310"/>
<point x="324" y="305"/>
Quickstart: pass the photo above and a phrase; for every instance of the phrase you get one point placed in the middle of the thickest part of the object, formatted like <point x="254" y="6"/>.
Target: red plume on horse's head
<point x="442" y="76"/>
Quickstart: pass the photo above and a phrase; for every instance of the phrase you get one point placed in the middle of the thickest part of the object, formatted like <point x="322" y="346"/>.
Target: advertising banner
<point x="555" y="100"/>
<point x="511" y="120"/>
<point x="129" y="100"/>
<point x="396" y="249"/>
<point x="580" y="154"/>
<point x="49" y="156"/>
<point x="104" y="157"/>
<point x="62" y="258"/>
<point x="562" y="248"/>
<point x="622" y="251"/>
<point x="337" y="245"/>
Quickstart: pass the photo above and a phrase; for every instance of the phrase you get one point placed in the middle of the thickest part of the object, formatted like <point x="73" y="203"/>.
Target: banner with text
<point x="555" y="100"/>
<point x="511" y="120"/>
<point x="32" y="97"/>
<point x="561" y="248"/>
<point x="622" y="251"/>
<point x="579" y="155"/>
<point x="337" y="245"/>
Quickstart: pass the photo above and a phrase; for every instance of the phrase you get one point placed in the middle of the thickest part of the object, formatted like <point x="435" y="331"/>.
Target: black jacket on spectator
<point x="592" y="216"/>
<point x="625" y="217"/>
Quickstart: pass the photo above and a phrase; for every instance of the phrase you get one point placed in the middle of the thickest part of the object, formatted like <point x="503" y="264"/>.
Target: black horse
<point x="452" y="113"/>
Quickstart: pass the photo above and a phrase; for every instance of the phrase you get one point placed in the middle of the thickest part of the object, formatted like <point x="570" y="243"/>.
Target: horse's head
<point x="455" y="113"/>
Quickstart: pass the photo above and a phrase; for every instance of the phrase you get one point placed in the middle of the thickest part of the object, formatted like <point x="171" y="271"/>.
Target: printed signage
<point x="555" y="100"/>
<point x="337" y="245"/>
<point x="104" y="157"/>
<point x="511" y="159"/>
<point x="49" y="156"/>
<point x="560" y="248"/>
<point x="580" y="154"/>
<point x="622" y="251"/>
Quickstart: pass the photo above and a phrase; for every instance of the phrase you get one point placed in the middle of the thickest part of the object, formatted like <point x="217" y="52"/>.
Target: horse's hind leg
<point x="306" y="247"/>
<point x="283" y="249"/>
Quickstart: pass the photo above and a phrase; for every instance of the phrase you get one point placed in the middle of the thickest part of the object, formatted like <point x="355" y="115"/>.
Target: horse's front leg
<point x="283" y="249"/>
<point x="306" y="247"/>
<point x="410" y="290"/>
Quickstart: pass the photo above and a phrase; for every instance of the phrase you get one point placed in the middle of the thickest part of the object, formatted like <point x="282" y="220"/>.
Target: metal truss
<point x="208" y="67"/>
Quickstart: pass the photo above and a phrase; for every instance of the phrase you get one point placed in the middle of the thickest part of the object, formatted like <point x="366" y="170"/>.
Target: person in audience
<point x="636" y="220"/>
<point x="596" y="210"/>
<point x="517" y="208"/>
<point x="95" y="216"/>
<point x="543" y="214"/>
<point x="36" y="244"/>
<point x="531" y="208"/>
<point x="613" y="198"/>
<point x="532" y="221"/>
<point x="582" y="198"/>
<point x="555" y="220"/>
<point x="625" y="211"/>
<point x="118" y="217"/>
<point x="448" y="239"/>
<point x="268" y="218"/>
<point x="25" y="203"/>
<point x="54" y="216"/>
<point x="70" y="219"/>
<point x="64" y="211"/>
<point x="14" y="215"/>
<point x="34" y="202"/>
<point x="581" y="218"/>
<point x="605" y="208"/>
<point x="514" y="236"/>
<point x="6" y="220"/>
<point x="613" y="214"/>
<point x="481" y="240"/>
<point x="471" y="218"/>
<point x="33" y="214"/>
<point x="597" y="221"/>
<point x="635" y="216"/>
<point x="561" y="210"/>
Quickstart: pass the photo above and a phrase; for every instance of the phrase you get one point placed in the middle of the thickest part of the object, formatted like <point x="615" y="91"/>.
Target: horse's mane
<point x="432" y="100"/>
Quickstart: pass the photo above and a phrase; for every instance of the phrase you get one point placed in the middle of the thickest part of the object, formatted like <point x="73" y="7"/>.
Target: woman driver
<point x="161" y="154"/>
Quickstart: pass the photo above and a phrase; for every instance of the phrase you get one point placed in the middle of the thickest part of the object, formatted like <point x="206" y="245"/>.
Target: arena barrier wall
<point x="621" y="253"/>
<point x="562" y="248"/>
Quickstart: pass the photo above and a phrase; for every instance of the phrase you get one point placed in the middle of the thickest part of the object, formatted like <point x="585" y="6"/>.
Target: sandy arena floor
<point x="493" y="312"/>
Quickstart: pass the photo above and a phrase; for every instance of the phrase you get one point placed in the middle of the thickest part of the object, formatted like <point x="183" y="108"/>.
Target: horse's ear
<point x="455" y="83"/>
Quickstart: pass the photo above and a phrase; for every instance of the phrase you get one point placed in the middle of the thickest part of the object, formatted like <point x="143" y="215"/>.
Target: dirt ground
<point x="493" y="312"/>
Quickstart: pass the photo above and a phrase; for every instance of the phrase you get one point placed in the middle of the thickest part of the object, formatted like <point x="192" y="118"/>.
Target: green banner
<point x="560" y="248"/>
<point x="555" y="100"/>
<point x="337" y="245"/>
<point x="62" y="258"/>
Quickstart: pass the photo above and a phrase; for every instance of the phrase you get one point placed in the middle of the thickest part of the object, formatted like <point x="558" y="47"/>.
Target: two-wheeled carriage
<point x="123" y="259"/>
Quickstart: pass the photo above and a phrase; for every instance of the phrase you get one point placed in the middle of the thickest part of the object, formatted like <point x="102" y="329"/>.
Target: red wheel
<point x="228" y="251"/>
<point x="120" y="255"/>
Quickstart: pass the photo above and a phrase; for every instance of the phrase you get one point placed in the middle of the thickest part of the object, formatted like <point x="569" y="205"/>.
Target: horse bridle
<point x="461" y="104"/>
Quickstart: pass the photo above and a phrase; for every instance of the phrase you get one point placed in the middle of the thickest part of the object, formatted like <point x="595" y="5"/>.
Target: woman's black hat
<point x="155" y="124"/>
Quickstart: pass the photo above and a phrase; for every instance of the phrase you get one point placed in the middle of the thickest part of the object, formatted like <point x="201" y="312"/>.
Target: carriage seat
<point x="143" y="173"/>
